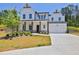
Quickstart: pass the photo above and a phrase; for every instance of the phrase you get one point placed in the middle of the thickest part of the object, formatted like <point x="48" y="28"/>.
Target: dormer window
<point x="44" y="16"/>
<point x="24" y="16"/>
<point x="30" y="16"/>
<point x="59" y="18"/>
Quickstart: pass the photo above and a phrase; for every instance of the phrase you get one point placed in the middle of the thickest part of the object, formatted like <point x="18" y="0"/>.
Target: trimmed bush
<point x="13" y="34"/>
<point x="43" y="32"/>
<point x="21" y="33"/>
<point x="27" y="33"/>
<point x="17" y="33"/>
<point x="7" y="35"/>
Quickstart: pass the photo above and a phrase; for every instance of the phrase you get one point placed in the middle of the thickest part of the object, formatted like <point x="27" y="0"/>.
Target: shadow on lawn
<point x="6" y="38"/>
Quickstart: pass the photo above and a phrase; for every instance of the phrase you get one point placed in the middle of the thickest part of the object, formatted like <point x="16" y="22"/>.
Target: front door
<point x="38" y="29"/>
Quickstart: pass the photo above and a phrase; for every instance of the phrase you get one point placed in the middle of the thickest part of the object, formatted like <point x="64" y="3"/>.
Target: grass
<point x="24" y="42"/>
<point x="74" y="30"/>
<point x="2" y="26"/>
<point x="75" y="33"/>
<point x="2" y="33"/>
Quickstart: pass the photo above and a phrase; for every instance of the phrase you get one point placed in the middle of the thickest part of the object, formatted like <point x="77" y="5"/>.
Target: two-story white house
<point x="34" y="21"/>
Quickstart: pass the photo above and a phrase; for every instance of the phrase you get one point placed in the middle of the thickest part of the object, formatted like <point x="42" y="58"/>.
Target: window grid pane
<point x="30" y="16"/>
<point x="24" y="16"/>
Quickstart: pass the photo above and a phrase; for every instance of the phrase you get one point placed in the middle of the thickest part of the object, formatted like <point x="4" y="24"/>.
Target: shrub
<point x="21" y="33"/>
<point x="43" y="32"/>
<point x="13" y="34"/>
<point x="17" y="33"/>
<point x="7" y="35"/>
<point x="27" y="33"/>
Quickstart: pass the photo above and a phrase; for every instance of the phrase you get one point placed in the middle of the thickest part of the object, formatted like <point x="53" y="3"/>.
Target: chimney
<point x="56" y="11"/>
<point x="26" y="6"/>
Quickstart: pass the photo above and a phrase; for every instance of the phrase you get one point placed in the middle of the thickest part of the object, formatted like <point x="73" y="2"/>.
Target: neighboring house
<point x="33" y="21"/>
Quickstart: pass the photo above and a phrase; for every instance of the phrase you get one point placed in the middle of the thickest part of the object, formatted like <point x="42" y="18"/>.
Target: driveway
<point x="62" y="44"/>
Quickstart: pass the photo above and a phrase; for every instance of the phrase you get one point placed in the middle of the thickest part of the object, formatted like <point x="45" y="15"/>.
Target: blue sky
<point x="36" y="6"/>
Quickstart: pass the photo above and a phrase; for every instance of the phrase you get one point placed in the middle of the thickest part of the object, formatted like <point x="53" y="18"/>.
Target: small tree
<point x="11" y="19"/>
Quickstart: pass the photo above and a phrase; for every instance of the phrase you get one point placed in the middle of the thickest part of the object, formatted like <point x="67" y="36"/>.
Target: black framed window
<point x="52" y="18"/>
<point x="30" y="16"/>
<point x="24" y="26"/>
<point x="59" y="18"/>
<point x="44" y="26"/>
<point x="30" y="28"/>
<point x="24" y="16"/>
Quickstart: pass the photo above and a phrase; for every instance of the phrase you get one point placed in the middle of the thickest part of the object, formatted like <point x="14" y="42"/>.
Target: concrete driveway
<point x="62" y="44"/>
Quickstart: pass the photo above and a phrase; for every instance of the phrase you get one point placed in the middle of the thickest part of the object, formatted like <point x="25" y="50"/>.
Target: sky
<point x="47" y="7"/>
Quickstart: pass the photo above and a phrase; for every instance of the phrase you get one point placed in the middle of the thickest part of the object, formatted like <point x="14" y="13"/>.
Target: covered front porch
<point x="34" y="26"/>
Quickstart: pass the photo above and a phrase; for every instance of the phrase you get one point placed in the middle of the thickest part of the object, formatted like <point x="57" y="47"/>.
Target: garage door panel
<point x="57" y="28"/>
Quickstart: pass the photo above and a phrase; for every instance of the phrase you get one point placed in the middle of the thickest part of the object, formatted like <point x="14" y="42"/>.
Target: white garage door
<point x="57" y="27"/>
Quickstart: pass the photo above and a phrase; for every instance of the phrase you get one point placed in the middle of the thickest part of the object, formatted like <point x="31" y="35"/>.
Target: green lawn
<point x="74" y="30"/>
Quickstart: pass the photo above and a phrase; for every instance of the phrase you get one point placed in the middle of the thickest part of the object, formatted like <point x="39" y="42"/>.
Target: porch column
<point x="40" y="25"/>
<point x="32" y="26"/>
<point x="48" y="27"/>
<point x="20" y="26"/>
